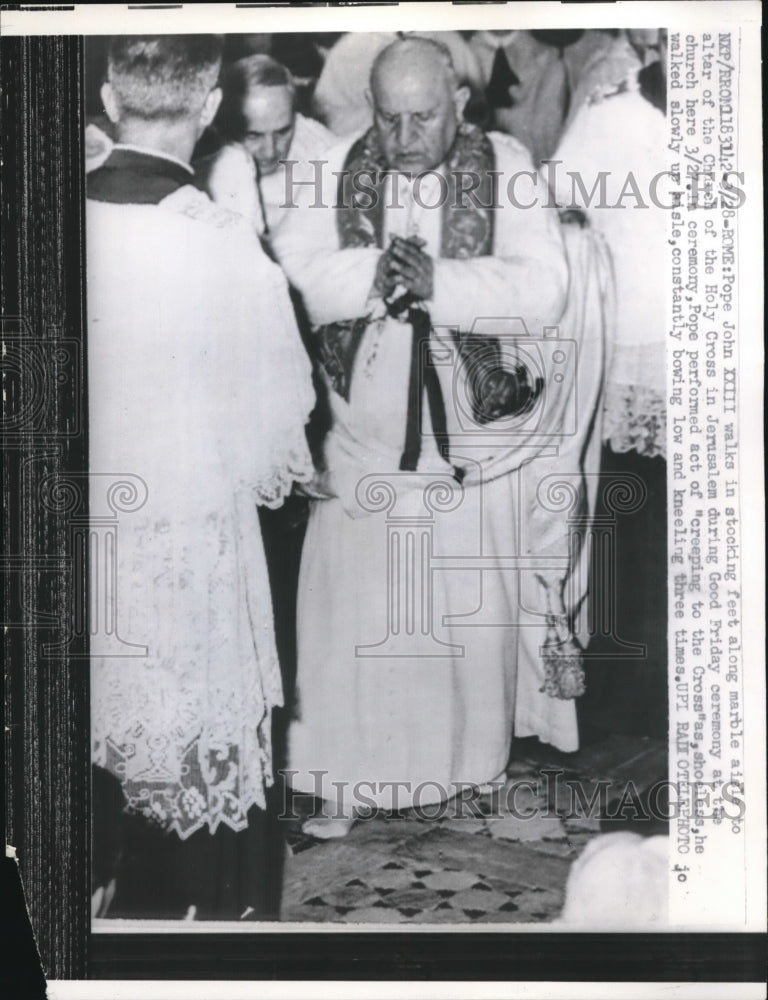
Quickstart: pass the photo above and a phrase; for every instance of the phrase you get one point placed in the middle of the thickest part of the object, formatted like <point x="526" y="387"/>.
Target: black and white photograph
<point x="399" y="479"/>
<point x="430" y="574"/>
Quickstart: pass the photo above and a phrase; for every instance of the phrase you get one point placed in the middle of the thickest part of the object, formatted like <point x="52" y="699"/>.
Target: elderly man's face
<point x="416" y="116"/>
<point x="269" y="124"/>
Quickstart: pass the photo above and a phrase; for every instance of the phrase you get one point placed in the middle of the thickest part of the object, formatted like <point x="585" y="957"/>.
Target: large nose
<point x="267" y="147"/>
<point x="404" y="132"/>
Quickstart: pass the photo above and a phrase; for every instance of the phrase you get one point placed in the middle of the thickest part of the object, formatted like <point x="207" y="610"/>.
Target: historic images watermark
<point x="553" y="794"/>
<point x="369" y="189"/>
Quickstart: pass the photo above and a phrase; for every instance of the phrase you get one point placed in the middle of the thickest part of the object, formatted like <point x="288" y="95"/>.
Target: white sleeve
<point x="574" y="160"/>
<point x="527" y="276"/>
<point x="229" y="177"/>
<point x="334" y="283"/>
<point x="258" y="360"/>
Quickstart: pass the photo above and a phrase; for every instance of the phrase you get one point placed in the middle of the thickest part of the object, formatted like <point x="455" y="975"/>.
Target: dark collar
<point x="132" y="177"/>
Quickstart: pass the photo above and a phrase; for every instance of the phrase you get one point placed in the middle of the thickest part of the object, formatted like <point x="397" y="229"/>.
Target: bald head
<point x="417" y="104"/>
<point x="415" y="59"/>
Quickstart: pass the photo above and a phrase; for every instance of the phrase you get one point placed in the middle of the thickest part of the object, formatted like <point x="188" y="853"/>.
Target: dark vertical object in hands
<point x="422" y="378"/>
<point x="262" y="207"/>
<point x="44" y="461"/>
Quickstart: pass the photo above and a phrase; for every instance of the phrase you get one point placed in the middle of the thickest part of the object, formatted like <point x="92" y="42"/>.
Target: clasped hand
<point x="405" y="263"/>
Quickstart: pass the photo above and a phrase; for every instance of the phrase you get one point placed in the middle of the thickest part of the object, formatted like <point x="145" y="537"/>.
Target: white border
<point x="110" y="19"/>
<point x="132" y="990"/>
<point x="193" y="990"/>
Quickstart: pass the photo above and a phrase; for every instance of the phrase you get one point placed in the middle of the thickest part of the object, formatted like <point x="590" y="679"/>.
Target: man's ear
<point x="110" y="103"/>
<point x="369" y="98"/>
<point x="211" y="106"/>
<point x="460" y="99"/>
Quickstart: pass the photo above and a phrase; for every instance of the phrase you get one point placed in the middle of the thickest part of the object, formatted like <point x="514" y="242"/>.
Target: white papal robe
<point x="409" y="634"/>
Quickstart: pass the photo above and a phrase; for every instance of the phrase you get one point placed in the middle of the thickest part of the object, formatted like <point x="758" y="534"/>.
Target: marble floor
<point x="496" y="858"/>
<point x="500" y="858"/>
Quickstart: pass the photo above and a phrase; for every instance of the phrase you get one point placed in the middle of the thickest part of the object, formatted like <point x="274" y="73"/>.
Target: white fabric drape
<point x="622" y="135"/>
<point x="200" y="386"/>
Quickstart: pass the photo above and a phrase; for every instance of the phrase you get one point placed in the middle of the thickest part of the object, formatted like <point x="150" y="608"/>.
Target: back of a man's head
<point x="163" y="77"/>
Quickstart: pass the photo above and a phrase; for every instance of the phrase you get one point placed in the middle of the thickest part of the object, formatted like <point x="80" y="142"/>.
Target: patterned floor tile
<point x="437" y="916"/>
<point x="395" y="878"/>
<point x="478" y="900"/>
<point x="351" y="896"/>
<point x="557" y="848"/>
<point x="588" y="824"/>
<point x="581" y="797"/>
<point x="538" y="905"/>
<point x="579" y="838"/>
<point x="403" y="869"/>
<point x="518" y="801"/>
<point x="455" y="880"/>
<point x="465" y="825"/>
<point x="413" y="899"/>
<point x="527" y="829"/>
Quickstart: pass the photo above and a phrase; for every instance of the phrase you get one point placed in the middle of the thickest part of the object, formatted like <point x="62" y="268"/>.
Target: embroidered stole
<point x="467" y="230"/>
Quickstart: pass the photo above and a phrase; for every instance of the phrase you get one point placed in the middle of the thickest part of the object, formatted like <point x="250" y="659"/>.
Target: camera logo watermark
<point x="92" y="505"/>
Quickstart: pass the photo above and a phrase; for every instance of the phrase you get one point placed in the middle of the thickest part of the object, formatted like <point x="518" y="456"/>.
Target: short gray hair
<point x="163" y="77"/>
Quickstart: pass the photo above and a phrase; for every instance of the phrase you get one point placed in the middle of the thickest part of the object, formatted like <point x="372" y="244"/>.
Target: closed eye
<point x="262" y="135"/>
<point x="420" y="117"/>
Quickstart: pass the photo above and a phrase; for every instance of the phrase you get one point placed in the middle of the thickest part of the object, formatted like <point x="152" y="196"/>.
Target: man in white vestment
<point x="199" y="390"/>
<point x="428" y="313"/>
<point x="269" y="143"/>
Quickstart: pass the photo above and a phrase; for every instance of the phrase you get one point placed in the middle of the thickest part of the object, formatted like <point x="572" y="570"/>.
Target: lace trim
<point x="635" y="419"/>
<point x="212" y="786"/>
<point x="187" y="728"/>
<point x="295" y="466"/>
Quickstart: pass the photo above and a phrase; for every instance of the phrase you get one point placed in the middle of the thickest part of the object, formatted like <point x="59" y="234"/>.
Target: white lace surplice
<point x="199" y="385"/>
